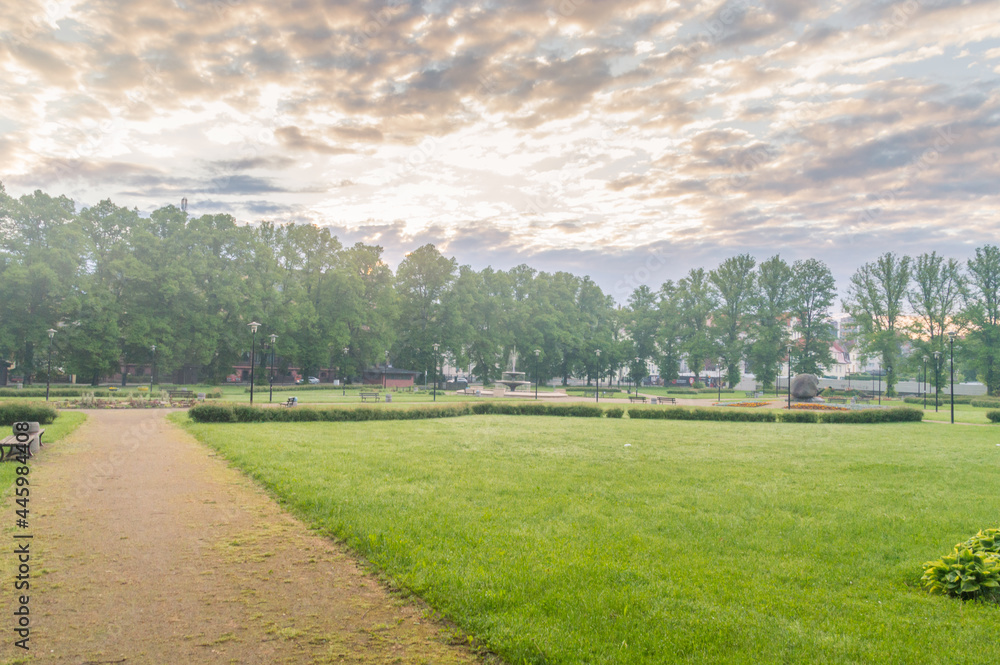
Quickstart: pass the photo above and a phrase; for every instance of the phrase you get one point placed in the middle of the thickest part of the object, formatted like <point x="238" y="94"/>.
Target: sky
<point x="630" y="140"/>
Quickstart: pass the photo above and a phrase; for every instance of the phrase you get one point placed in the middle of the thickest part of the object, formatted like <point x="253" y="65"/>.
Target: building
<point x="388" y="376"/>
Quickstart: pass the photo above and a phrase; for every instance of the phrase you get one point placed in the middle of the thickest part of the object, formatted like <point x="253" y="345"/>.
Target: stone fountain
<point x="513" y="379"/>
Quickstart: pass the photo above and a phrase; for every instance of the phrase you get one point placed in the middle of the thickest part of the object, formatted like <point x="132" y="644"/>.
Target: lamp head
<point x="346" y="350"/>
<point x="951" y="335"/>
<point x="152" y="348"/>
<point x="51" y="332"/>
<point x="273" y="337"/>
<point x="926" y="358"/>
<point x="436" y="346"/>
<point x="937" y="354"/>
<point x="253" y="326"/>
<point x="598" y="352"/>
<point x="537" y="352"/>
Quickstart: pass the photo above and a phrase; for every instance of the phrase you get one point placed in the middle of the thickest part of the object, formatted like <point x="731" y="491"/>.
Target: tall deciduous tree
<point x="696" y="301"/>
<point x="981" y="316"/>
<point x="422" y="280"/>
<point x="735" y="283"/>
<point x="813" y="293"/>
<point x="769" y="329"/>
<point x="875" y="298"/>
<point x="935" y="297"/>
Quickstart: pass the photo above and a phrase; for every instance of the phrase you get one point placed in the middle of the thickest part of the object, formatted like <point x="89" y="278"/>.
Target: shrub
<point x="945" y="398"/>
<point x="964" y="574"/>
<point x="985" y="541"/>
<point x="994" y="416"/>
<point x="687" y="413"/>
<point x="26" y="411"/>
<point x="900" y="414"/>
<point x="985" y="402"/>
<point x="616" y="412"/>
<point x="798" y="417"/>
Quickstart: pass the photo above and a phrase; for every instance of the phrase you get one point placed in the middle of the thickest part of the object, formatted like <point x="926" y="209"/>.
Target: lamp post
<point x="718" y="381"/>
<point x="888" y="384"/>
<point x="635" y="376"/>
<point x="880" y="383"/>
<point x="152" y="369"/>
<point x="270" y="388"/>
<point x="436" y="347"/>
<point x="343" y="388"/>
<point x="925" y="381"/>
<point x="385" y="366"/>
<point x="937" y="379"/>
<point x="597" y="388"/>
<point x="789" y="377"/>
<point x="537" y="353"/>
<point x="48" y="374"/>
<point x="951" y="341"/>
<point x="253" y="347"/>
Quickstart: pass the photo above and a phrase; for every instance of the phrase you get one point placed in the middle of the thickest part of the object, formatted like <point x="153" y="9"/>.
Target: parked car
<point x="312" y="379"/>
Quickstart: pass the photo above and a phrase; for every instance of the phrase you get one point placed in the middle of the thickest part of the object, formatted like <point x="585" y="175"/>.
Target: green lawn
<point x="65" y="422"/>
<point x="552" y="542"/>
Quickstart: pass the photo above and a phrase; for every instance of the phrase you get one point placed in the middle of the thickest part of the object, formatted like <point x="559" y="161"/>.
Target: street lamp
<point x="925" y="381"/>
<point x="888" y="384"/>
<point x="951" y="340"/>
<point x="597" y="388"/>
<point x="789" y="377"/>
<point x="937" y="379"/>
<point x="537" y="353"/>
<point x="436" y="347"/>
<point x="270" y="388"/>
<point x="48" y="374"/>
<point x="152" y="369"/>
<point x="385" y="366"/>
<point x="343" y="373"/>
<point x="718" y="381"/>
<point x="253" y="347"/>
<point x="635" y="376"/>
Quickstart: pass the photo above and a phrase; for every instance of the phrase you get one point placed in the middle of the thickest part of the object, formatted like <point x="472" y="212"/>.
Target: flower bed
<point x="819" y="407"/>
<point x="748" y="404"/>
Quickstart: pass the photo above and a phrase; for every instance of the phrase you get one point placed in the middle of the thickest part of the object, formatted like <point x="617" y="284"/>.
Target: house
<point x="387" y="376"/>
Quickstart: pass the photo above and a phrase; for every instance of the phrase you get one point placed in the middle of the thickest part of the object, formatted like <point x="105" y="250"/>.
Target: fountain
<point x="514" y="379"/>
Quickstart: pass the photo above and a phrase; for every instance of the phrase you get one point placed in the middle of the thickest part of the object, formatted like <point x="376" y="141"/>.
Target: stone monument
<point x="805" y="388"/>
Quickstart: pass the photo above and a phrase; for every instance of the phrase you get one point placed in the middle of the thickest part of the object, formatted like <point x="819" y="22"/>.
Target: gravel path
<point x="149" y="549"/>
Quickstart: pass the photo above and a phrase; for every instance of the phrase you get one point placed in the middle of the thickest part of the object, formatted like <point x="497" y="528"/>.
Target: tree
<point x="813" y="293"/>
<point x="696" y="302"/>
<point x="735" y="284"/>
<point x="875" y="299"/>
<point x="668" y="333"/>
<point x="769" y="329"/>
<point x="936" y="296"/>
<point x="643" y="323"/>
<point x="981" y="315"/>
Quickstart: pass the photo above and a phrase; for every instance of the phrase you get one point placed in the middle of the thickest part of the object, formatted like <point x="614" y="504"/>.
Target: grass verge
<point x="65" y="422"/>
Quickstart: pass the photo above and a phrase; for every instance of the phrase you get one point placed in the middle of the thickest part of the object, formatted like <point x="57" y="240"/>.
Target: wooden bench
<point x="365" y="396"/>
<point x="637" y="398"/>
<point x="664" y="400"/>
<point x="11" y="448"/>
<point x="292" y="401"/>
<point x="837" y="400"/>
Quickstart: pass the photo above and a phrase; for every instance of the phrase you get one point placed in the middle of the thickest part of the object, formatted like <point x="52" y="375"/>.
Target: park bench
<point x="11" y="448"/>
<point x="666" y="400"/>
<point x="837" y="400"/>
<point x="292" y="401"/>
<point x="182" y="396"/>
<point x="365" y="396"/>
<point x="637" y="398"/>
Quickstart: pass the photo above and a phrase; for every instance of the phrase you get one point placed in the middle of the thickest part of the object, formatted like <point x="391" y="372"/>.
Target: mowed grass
<point x="66" y="422"/>
<point x="552" y="541"/>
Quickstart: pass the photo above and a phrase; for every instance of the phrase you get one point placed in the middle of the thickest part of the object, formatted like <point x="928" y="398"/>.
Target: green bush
<point x="964" y="574"/>
<point x="688" y="413"/>
<point x="11" y="413"/>
<point x="616" y="412"/>
<point x="987" y="540"/>
<point x="899" y="414"/>
<point x="994" y="416"/>
<point x="944" y="398"/>
<point x="798" y="417"/>
<point x="536" y="409"/>
<point x="589" y="390"/>
<point x="985" y="402"/>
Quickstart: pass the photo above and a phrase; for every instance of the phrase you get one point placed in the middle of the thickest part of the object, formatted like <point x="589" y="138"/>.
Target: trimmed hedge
<point x="214" y="393"/>
<point x="896" y="415"/>
<point x="616" y="412"/>
<point x="689" y="413"/>
<point x="13" y="413"/>
<point x="241" y="413"/>
<point x="945" y="398"/>
<point x="994" y="416"/>
<point x="984" y="402"/>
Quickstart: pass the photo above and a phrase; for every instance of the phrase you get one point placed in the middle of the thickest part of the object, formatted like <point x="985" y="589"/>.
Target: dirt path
<point x="148" y="549"/>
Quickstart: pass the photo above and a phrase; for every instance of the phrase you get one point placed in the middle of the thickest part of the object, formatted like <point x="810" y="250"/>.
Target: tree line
<point x="113" y="283"/>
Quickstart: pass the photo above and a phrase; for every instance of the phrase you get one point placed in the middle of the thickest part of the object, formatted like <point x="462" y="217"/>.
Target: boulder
<point x="805" y="386"/>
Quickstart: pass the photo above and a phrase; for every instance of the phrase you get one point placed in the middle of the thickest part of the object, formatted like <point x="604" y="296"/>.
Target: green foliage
<point x="12" y="412"/>
<point x="812" y="294"/>
<point x="986" y="540"/>
<point x="994" y="416"/>
<point x="535" y="409"/>
<point x="965" y="573"/>
<point x="900" y="414"/>
<point x="944" y="398"/>
<point x="798" y="417"/>
<point x="687" y="413"/>
<point x="985" y="402"/>
<point x="615" y="412"/>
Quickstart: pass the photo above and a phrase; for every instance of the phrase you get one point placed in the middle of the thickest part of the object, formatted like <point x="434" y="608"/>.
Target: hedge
<point x="943" y="398"/>
<point x="687" y="413"/>
<point x="994" y="416"/>
<point x="984" y="402"/>
<point x="11" y="413"/>
<point x="214" y="393"/>
<point x="241" y="413"/>
<point x="896" y="415"/>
